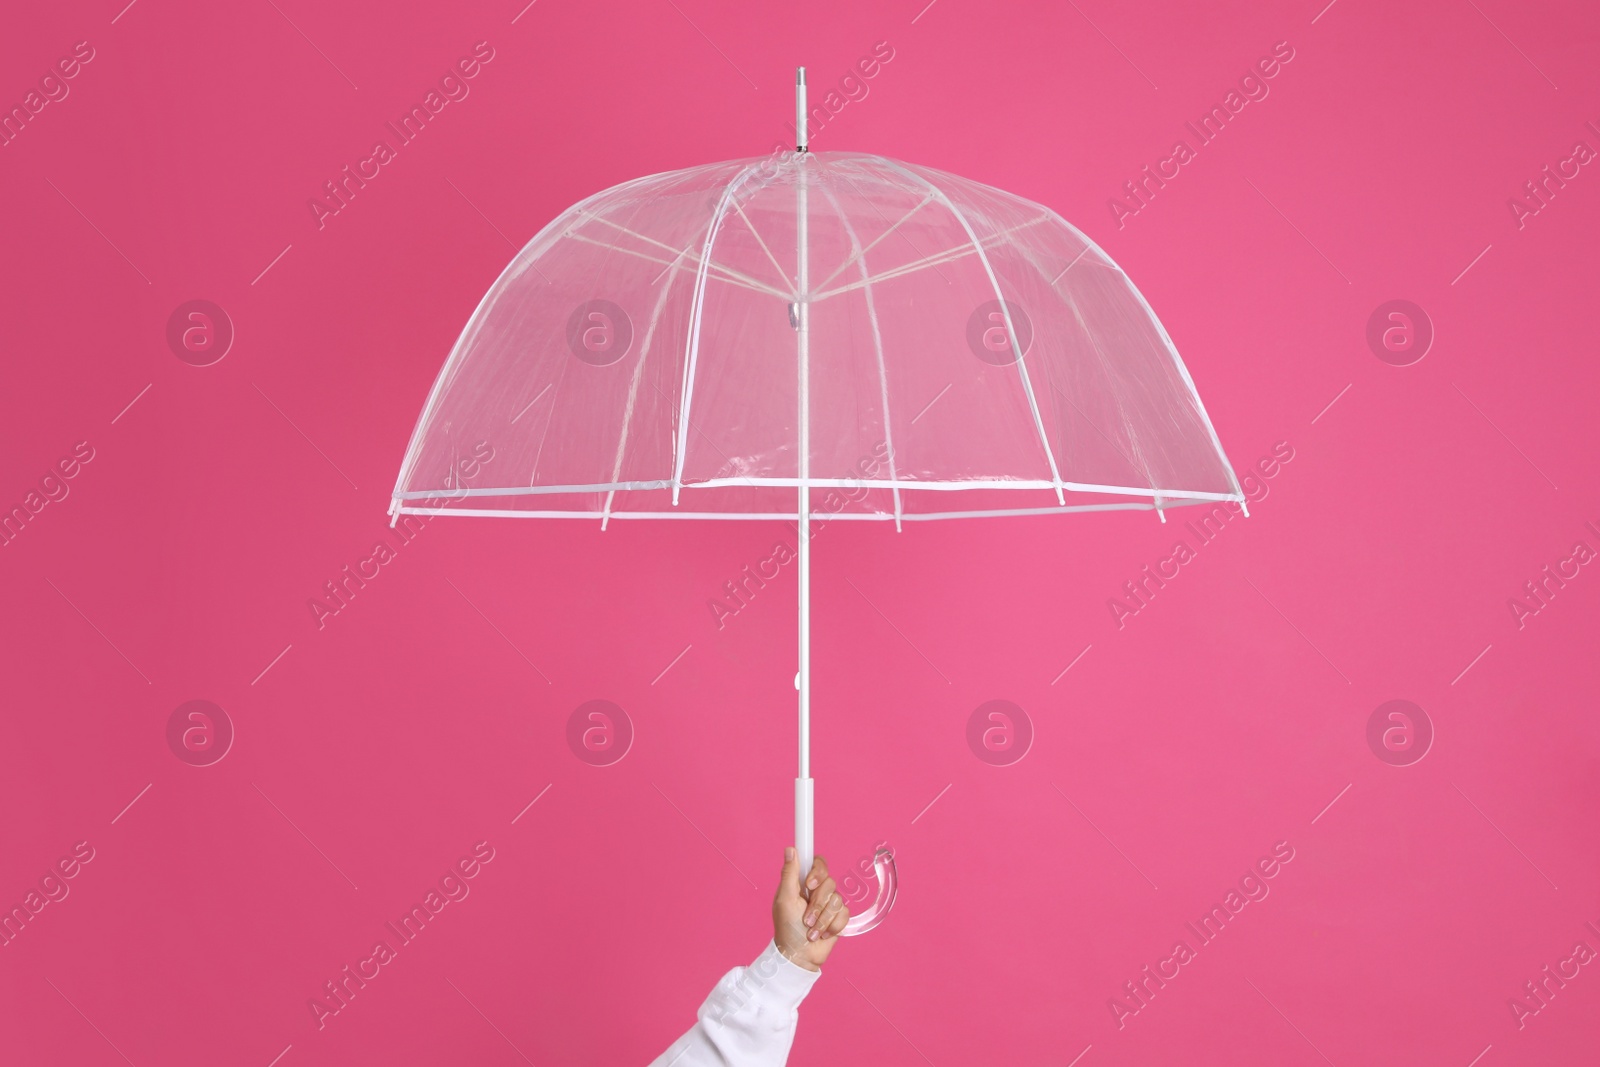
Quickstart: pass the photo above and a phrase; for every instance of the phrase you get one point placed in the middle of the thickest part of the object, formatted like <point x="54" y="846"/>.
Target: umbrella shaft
<point x="803" y="491"/>
<point x="803" y="809"/>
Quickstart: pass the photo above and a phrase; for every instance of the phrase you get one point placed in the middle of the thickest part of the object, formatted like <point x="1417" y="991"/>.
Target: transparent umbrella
<point x="811" y="336"/>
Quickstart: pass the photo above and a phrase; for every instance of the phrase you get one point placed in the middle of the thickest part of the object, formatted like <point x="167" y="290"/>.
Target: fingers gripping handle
<point x="805" y="849"/>
<point x="804" y="825"/>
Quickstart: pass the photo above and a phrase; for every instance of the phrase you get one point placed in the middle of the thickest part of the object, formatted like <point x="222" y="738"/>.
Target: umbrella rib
<point x="446" y="373"/>
<point x="731" y="277"/>
<point x="732" y="480"/>
<point x="752" y="228"/>
<point x="1011" y="333"/>
<point x="663" y="245"/>
<point x="901" y="233"/>
<point x="1138" y="465"/>
<point x="696" y="311"/>
<point x="948" y="255"/>
<point x="533" y="468"/>
<point x="615" y="225"/>
<point x="877" y="343"/>
<point x="633" y="394"/>
<point x="874" y="242"/>
<point x="1172" y="350"/>
<point x="1132" y="464"/>
<point x="1133" y="437"/>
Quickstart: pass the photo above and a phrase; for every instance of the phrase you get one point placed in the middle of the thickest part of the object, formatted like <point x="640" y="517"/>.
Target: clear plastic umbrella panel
<point x="816" y="336"/>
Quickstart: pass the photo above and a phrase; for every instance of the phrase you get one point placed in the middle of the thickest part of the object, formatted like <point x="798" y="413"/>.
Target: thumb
<point x="789" y="880"/>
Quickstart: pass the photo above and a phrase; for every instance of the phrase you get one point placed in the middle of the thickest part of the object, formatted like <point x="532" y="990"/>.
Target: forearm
<point x="749" y="1019"/>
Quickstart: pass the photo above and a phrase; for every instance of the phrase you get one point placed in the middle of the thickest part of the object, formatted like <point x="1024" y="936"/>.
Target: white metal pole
<point x="804" y="808"/>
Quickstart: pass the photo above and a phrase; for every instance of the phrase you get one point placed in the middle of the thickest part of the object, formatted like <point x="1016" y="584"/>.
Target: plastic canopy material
<point x="970" y="353"/>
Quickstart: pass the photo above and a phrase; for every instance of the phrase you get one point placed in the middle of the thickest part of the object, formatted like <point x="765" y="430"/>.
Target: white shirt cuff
<point x="784" y="983"/>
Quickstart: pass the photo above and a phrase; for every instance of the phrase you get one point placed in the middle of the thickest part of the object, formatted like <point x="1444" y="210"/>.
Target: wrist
<point x="777" y="981"/>
<point x="799" y="957"/>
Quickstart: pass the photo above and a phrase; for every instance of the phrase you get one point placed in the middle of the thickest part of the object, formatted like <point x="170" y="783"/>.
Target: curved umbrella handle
<point x="878" y="910"/>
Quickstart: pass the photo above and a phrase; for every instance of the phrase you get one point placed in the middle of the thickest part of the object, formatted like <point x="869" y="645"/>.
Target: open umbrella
<point x="812" y="336"/>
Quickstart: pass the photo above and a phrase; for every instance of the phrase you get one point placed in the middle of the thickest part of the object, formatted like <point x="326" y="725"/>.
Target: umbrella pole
<point x="804" y="801"/>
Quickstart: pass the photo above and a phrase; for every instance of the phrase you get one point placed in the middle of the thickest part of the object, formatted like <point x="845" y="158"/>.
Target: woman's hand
<point x="805" y="930"/>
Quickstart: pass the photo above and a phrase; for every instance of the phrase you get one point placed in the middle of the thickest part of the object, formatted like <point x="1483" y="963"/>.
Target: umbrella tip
<point x="800" y="109"/>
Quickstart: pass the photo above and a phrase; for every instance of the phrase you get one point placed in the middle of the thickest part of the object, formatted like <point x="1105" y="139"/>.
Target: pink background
<point x="1225" y="717"/>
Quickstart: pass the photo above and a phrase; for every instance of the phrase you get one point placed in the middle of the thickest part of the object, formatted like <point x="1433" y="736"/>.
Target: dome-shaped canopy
<point x="966" y="352"/>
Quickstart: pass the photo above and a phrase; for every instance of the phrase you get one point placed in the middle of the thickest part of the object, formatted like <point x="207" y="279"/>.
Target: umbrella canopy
<point x="969" y="353"/>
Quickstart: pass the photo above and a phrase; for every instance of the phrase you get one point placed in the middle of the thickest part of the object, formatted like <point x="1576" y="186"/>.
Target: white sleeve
<point x="749" y="1018"/>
